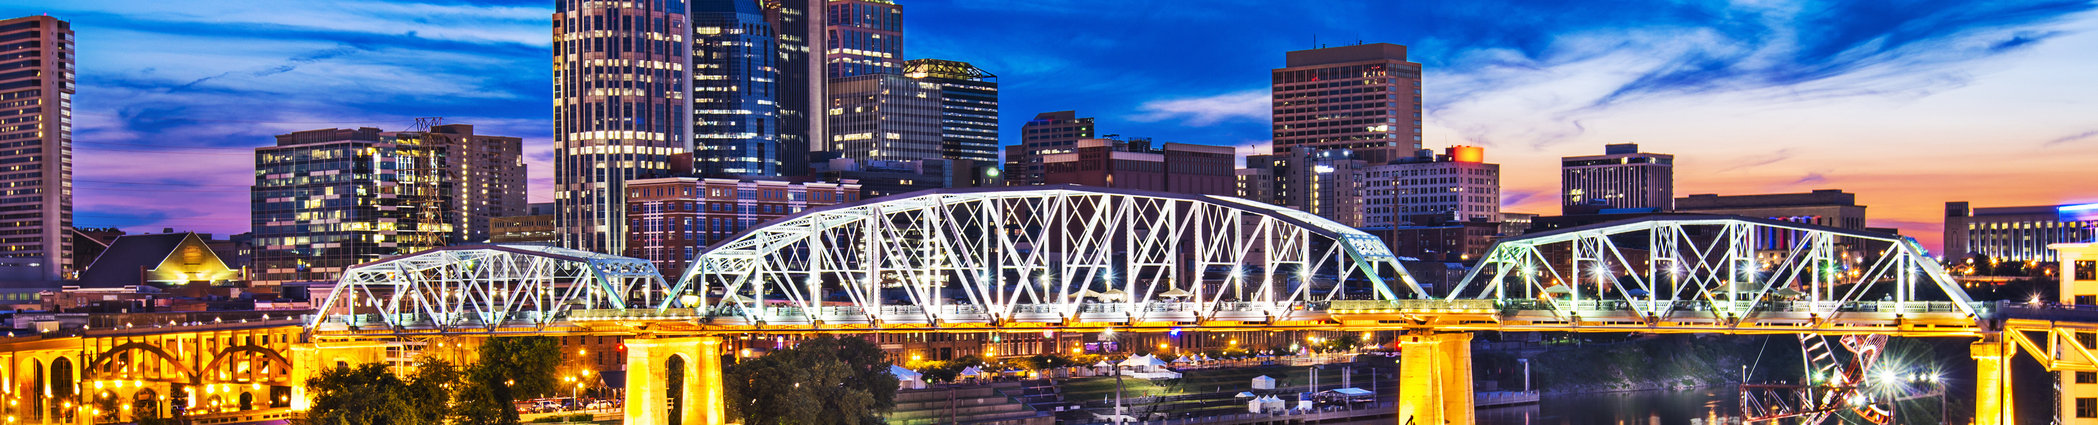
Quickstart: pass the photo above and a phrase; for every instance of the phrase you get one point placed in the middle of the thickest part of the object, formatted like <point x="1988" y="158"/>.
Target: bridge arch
<point x="1041" y="254"/>
<point x="104" y="358"/>
<point x="273" y="358"/>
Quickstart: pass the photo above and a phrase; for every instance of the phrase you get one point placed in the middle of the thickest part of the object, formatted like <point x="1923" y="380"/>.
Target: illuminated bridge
<point x="1076" y="258"/>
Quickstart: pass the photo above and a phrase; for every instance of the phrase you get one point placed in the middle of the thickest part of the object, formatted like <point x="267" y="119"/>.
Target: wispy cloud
<point x="1202" y="111"/>
<point x="2071" y="138"/>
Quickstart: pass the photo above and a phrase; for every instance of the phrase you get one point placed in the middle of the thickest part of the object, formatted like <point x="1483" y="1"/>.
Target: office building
<point x="621" y="109"/>
<point x="885" y="178"/>
<point x="486" y="176"/>
<point x="533" y="227"/>
<point x="1459" y="242"/>
<point x="2016" y="233"/>
<point x="2077" y="391"/>
<point x="1516" y="223"/>
<point x="798" y="26"/>
<point x="863" y="37"/>
<point x="968" y="107"/>
<point x="1828" y="207"/>
<point x="1256" y="183"/>
<point x="735" y="91"/>
<point x="1047" y="133"/>
<point x="1622" y="177"/>
<point x="327" y="199"/>
<point x="676" y="218"/>
<point x="1429" y="189"/>
<point x="36" y="149"/>
<point x="1365" y="98"/>
<point x="1141" y="165"/>
<point x="884" y="117"/>
<point x="1327" y="183"/>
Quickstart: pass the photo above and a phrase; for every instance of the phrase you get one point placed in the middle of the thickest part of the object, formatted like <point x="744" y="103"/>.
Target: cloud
<point x="1517" y="197"/>
<point x="1203" y="111"/>
<point x="1811" y="178"/>
<point x="2071" y="138"/>
<point x="1760" y="160"/>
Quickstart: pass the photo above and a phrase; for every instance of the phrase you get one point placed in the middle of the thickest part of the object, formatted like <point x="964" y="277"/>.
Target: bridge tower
<point x="695" y="362"/>
<point x="1435" y="378"/>
<point x="1992" y="381"/>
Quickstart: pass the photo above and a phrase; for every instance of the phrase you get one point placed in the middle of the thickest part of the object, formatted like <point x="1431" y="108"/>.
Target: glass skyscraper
<point x="735" y="91"/>
<point x="863" y="37"/>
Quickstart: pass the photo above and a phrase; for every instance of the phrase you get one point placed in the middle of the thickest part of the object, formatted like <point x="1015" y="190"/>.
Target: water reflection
<point x="1697" y="406"/>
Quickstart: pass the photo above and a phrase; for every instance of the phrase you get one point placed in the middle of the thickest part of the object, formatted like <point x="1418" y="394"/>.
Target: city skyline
<point x="1909" y="108"/>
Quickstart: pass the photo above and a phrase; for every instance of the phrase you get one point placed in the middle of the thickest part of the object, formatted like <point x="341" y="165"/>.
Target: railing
<point x="1721" y="307"/>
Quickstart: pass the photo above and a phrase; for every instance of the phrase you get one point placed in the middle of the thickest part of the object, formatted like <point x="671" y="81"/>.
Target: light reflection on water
<point x="1701" y="406"/>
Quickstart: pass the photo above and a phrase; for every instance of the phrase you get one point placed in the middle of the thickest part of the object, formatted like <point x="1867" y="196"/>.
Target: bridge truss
<point x="485" y="287"/>
<point x="1704" y="273"/>
<point x="1043" y="255"/>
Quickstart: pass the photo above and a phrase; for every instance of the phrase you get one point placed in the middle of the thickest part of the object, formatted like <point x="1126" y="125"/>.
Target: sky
<point x="1908" y="104"/>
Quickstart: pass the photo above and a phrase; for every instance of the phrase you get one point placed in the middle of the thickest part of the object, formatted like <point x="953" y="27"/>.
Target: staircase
<point x="982" y="404"/>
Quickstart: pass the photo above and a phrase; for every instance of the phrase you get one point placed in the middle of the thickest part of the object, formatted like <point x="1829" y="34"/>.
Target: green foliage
<point x="509" y="369"/>
<point x="430" y="391"/>
<point x="833" y="381"/>
<point x="363" y="395"/>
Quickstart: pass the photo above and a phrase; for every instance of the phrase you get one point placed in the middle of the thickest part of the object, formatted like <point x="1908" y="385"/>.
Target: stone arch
<point x="276" y="359"/>
<point x="145" y="403"/>
<point x="105" y="357"/>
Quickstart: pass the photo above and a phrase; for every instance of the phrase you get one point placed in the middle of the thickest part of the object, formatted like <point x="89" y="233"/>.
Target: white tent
<point x="1263" y="382"/>
<point x="907" y="379"/>
<point x="1144" y="363"/>
<point x="971" y="372"/>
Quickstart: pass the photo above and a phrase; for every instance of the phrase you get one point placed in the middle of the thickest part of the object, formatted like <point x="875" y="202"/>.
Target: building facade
<point x="1427" y="189"/>
<point x="797" y="26"/>
<point x="968" y="107"/>
<point x="327" y="199"/>
<point x="534" y="227"/>
<point x="36" y="148"/>
<point x="621" y="109"/>
<point x="1365" y="98"/>
<point x="1324" y="182"/>
<point x="2077" y="398"/>
<point x="863" y="37"/>
<point x="1622" y="177"/>
<point x="1137" y="164"/>
<point x="1047" y="133"/>
<point x="884" y="117"/>
<point x="884" y="178"/>
<point x="676" y="218"/>
<point x="735" y="91"/>
<point x="2016" y="233"/>
<point x="1444" y="243"/>
<point x="487" y="176"/>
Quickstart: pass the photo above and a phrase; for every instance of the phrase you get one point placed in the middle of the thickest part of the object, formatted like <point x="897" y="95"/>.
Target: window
<point x="2088" y="339"/>
<point x="2087" y="270"/>
<point x="2087" y="300"/>
<point x="2087" y="377"/>
<point x="2087" y="407"/>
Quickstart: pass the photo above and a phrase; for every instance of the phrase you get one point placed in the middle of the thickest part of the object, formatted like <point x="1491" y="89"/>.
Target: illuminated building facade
<point x="1426" y="189"/>
<point x="968" y="107"/>
<point x="2016" y="233"/>
<point x="533" y="227"/>
<point x="486" y="175"/>
<point x="2077" y="398"/>
<point x="1365" y="98"/>
<point x="1047" y="133"/>
<point x="620" y="109"/>
<point x="884" y="117"/>
<point x="1324" y="182"/>
<point x="863" y="37"/>
<point x="1622" y="177"/>
<point x="675" y="218"/>
<point x="327" y="199"/>
<point x="1137" y="164"/>
<point x="735" y="92"/>
<point x="797" y="25"/>
<point x="1828" y="207"/>
<point x="36" y="147"/>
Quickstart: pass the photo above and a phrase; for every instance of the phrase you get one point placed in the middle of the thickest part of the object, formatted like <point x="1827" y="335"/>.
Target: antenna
<point x="426" y="123"/>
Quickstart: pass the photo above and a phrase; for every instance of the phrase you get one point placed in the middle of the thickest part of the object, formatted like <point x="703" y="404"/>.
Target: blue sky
<point x="1908" y="103"/>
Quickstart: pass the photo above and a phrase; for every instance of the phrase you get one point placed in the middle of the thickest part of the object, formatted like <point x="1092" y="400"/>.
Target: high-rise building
<point x="735" y="91"/>
<point x="36" y="148"/>
<point x="1325" y="182"/>
<point x="2016" y="233"/>
<point x="1047" y="133"/>
<point x="1137" y="164"/>
<point x="327" y="199"/>
<point x="1365" y="97"/>
<point x="798" y="25"/>
<point x="886" y="117"/>
<point x="2077" y="391"/>
<point x="621" y="109"/>
<point x="486" y="175"/>
<point x="968" y="107"/>
<point x="1622" y="177"/>
<point x="863" y="37"/>
<point x="676" y="218"/>
<point x="1428" y="189"/>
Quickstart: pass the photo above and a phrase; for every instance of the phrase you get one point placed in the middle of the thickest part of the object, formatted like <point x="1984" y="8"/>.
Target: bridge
<point x="1073" y="259"/>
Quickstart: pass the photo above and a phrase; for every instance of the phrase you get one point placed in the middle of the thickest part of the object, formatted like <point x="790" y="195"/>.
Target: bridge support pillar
<point x="1435" y="379"/>
<point x="696" y="365"/>
<point x="1992" y="381"/>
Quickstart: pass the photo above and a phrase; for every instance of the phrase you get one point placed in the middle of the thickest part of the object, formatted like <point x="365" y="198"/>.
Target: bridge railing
<point x="1722" y="307"/>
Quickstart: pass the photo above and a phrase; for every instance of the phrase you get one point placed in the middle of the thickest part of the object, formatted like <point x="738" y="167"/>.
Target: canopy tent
<point x="906" y="378"/>
<point x="1263" y="382"/>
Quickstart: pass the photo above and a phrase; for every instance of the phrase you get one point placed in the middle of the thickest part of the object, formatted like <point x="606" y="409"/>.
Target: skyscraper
<point x="798" y="25"/>
<point x="620" y="109"/>
<point x="735" y="91"/>
<point x="1047" y="133"/>
<point x="968" y="107"/>
<point x="1365" y="97"/>
<point x="1622" y="177"/>
<point x="327" y="199"/>
<point x="486" y="176"/>
<point x="863" y="37"/>
<point x="1324" y="182"/>
<point x="884" y="117"/>
<point x="36" y="147"/>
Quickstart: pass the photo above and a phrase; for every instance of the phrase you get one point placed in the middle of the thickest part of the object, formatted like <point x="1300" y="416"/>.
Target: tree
<point x="363" y="395"/>
<point x="834" y="381"/>
<point x="510" y="368"/>
<point x="432" y="389"/>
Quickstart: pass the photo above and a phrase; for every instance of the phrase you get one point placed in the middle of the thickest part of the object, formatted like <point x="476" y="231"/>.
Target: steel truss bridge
<point x="1064" y="257"/>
